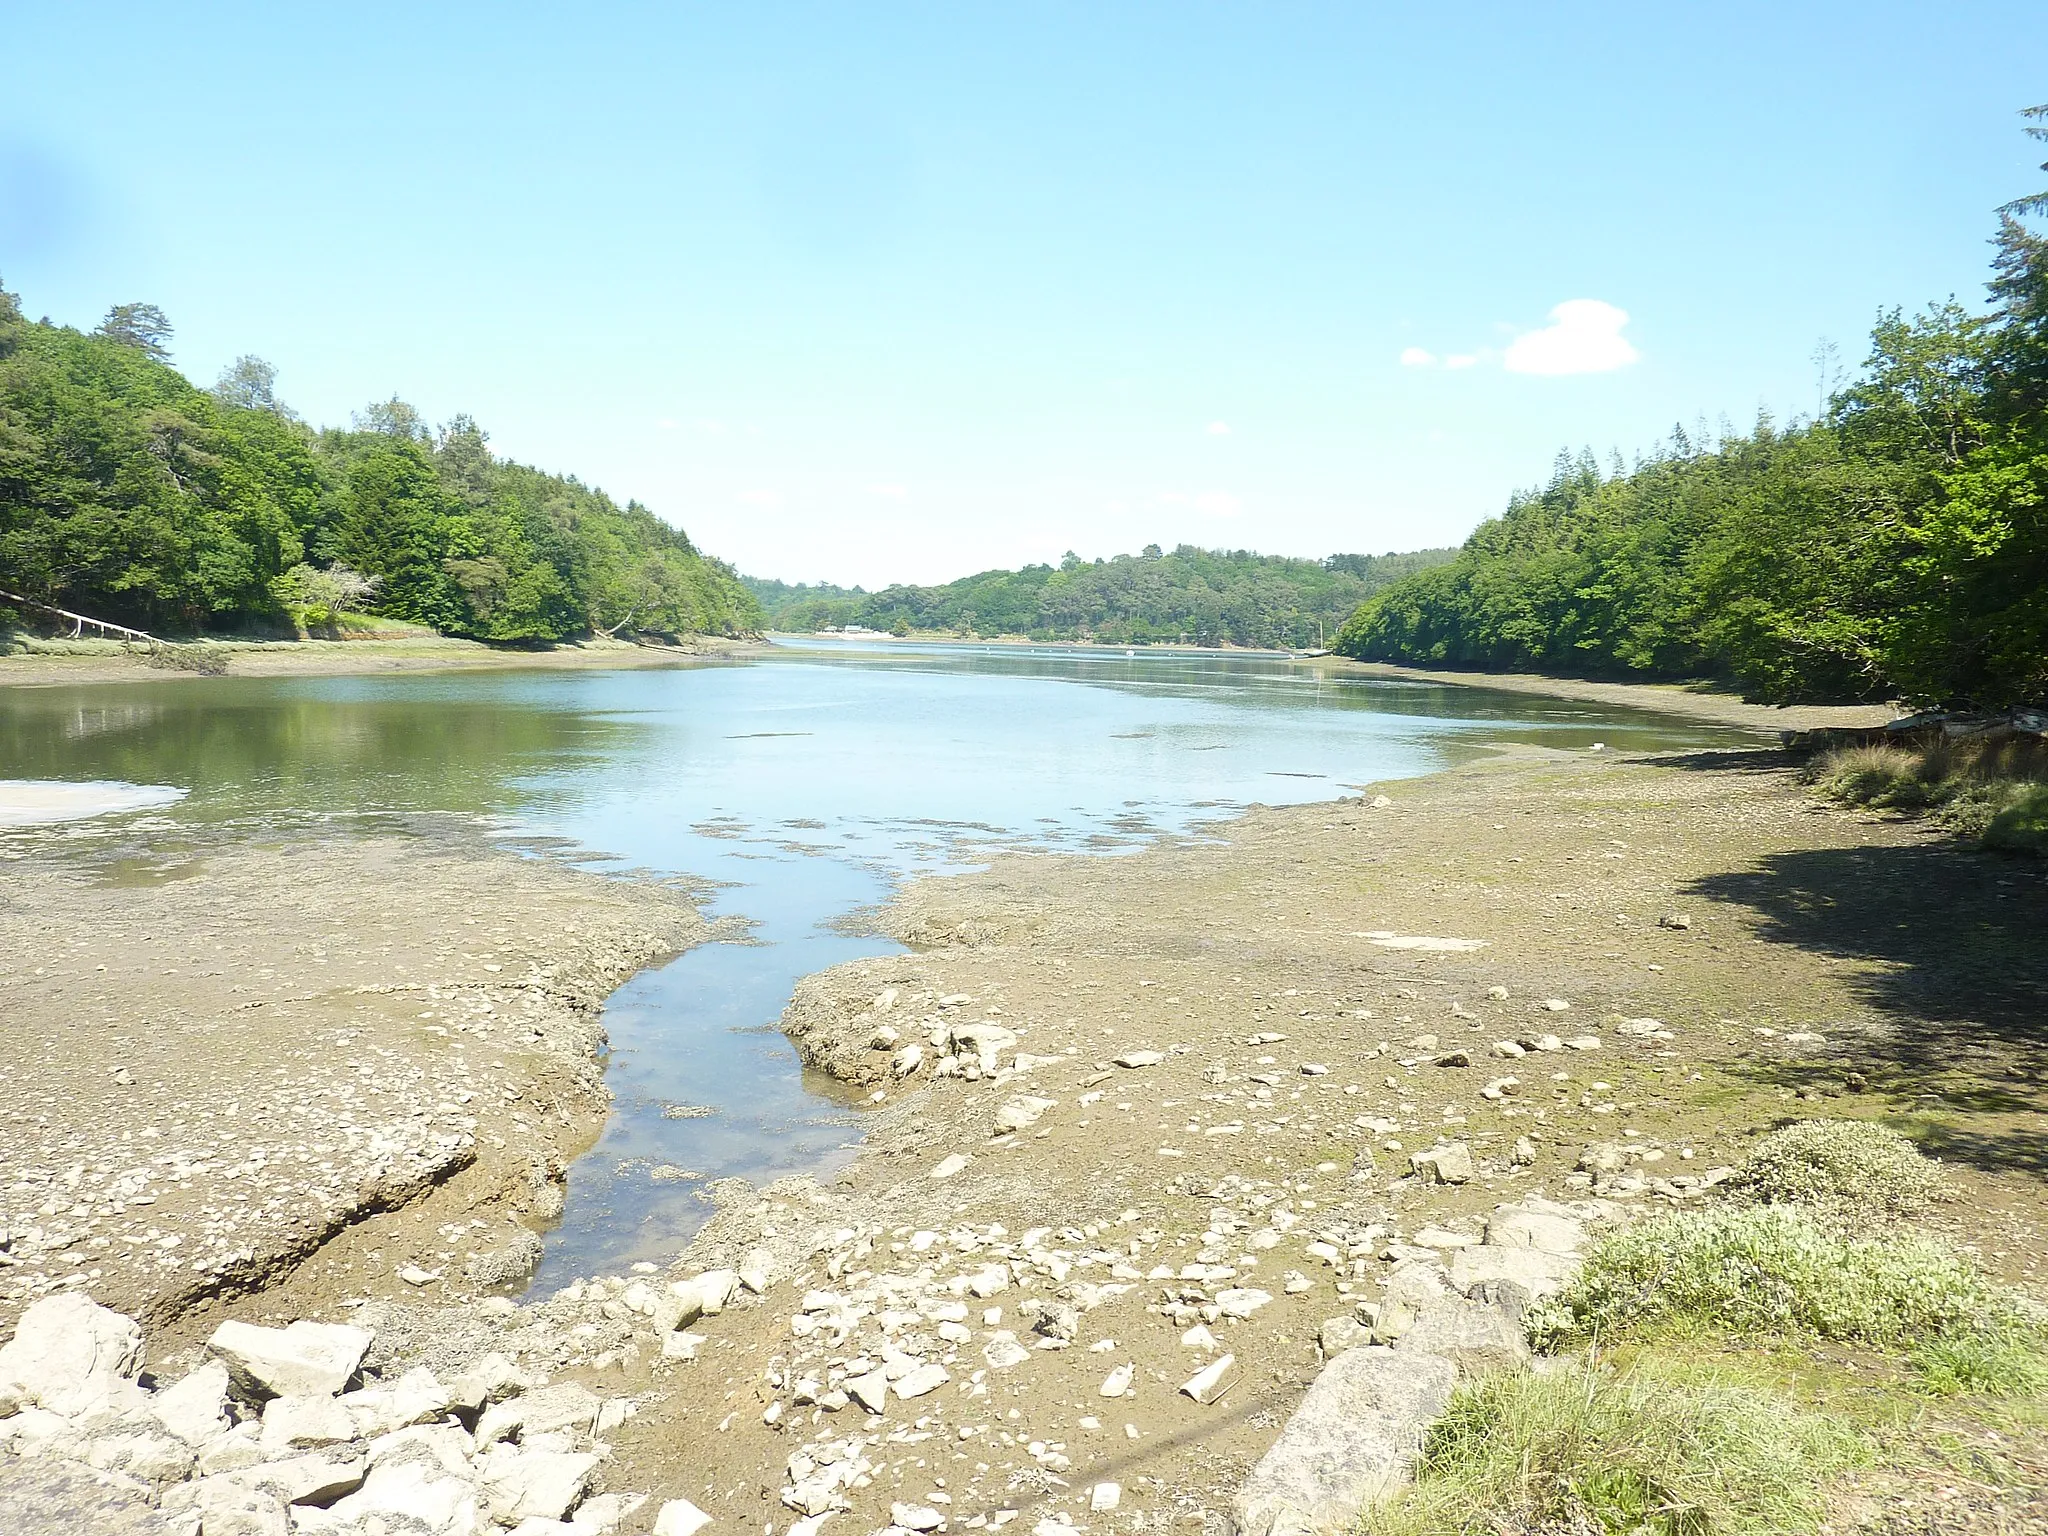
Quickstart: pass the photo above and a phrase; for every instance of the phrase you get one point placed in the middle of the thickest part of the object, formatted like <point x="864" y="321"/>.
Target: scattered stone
<point x="1140" y="1058"/>
<point x="1103" y="1498"/>
<point x="679" y="1517"/>
<point x="950" y="1165"/>
<point x="1207" y="1384"/>
<point x="1022" y="1112"/>
<point x="1449" y="1164"/>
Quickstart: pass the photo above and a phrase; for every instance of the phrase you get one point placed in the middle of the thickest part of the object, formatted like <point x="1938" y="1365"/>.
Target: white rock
<point x="303" y="1359"/>
<point x="1022" y="1112"/>
<point x="1241" y="1302"/>
<point x="304" y="1424"/>
<point x="1141" y="1058"/>
<point x="565" y="1405"/>
<point x="679" y="1517"/>
<point x="1353" y="1440"/>
<point x="68" y="1353"/>
<point x="1206" y="1385"/>
<point x="925" y="1378"/>
<point x="989" y="1280"/>
<point x="1450" y="1164"/>
<point x="1003" y="1352"/>
<point x="415" y="1398"/>
<point x="915" y="1517"/>
<point x="1104" y="1497"/>
<point x="870" y="1391"/>
<point x="195" y="1407"/>
<point x="1554" y="1005"/>
<point x="519" y="1484"/>
<point x="681" y="1346"/>
<point x="1198" y="1337"/>
<point x="1117" y="1382"/>
<point x="415" y="1492"/>
<point x="950" y="1166"/>
<point x="757" y="1271"/>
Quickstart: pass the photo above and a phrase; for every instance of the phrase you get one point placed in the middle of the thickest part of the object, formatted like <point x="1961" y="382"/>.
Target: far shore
<point x="52" y="663"/>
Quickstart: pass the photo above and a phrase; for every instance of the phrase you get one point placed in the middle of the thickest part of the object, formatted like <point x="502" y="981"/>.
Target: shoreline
<point x="62" y="663"/>
<point x="1168" y="1057"/>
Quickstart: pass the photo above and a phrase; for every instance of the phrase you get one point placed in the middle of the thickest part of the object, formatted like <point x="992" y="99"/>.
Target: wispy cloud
<point x="1417" y="357"/>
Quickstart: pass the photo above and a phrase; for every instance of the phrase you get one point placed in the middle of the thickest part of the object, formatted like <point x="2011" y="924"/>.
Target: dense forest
<point x="130" y="494"/>
<point x="1895" y="546"/>
<point x="1202" y="596"/>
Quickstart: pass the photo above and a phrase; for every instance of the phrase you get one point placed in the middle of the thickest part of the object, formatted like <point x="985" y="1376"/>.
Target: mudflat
<point x="1144" y="1133"/>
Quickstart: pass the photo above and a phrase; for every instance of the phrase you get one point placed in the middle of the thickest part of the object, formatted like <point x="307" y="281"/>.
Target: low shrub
<point x="1650" y="1450"/>
<point x="1972" y="786"/>
<point x="1777" y="1271"/>
<point x="1854" y="1167"/>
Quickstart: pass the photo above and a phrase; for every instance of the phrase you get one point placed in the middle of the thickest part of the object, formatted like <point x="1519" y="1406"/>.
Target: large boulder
<point x="1353" y="1440"/>
<point x="1510" y="1277"/>
<point x="300" y="1360"/>
<point x="69" y="1354"/>
<point x="1479" y="1340"/>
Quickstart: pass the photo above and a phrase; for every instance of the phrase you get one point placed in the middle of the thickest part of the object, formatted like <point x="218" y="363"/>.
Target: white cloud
<point x="1417" y="357"/>
<point x="1584" y="336"/>
<point x="1461" y="360"/>
<point x="1218" y="429"/>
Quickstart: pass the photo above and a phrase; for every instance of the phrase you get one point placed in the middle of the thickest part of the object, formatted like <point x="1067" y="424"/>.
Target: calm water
<point x="805" y="782"/>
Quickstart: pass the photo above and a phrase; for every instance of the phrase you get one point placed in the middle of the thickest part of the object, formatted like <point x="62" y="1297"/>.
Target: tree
<point x="141" y="326"/>
<point x="250" y="384"/>
<point x="393" y="418"/>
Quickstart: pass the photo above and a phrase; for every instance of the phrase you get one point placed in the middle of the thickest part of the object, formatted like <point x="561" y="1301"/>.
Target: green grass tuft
<point x="1848" y="1167"/>
<point x="1773" y="1271"/>
<point x="1995" y="790"/>
<point x="1660" y="1451"/>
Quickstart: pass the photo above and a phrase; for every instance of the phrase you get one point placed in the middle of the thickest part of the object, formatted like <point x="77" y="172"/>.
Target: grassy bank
<point x="1993" y="792"/>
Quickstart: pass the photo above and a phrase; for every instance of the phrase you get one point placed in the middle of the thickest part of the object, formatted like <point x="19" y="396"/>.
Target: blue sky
<point x="862" y="292"/>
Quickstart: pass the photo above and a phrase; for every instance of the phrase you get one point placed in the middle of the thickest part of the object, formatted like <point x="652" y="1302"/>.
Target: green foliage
<point x="1896" y="547"/>
<point x="1996" y="790"/>
<point x="1653" y="1450"/>
<point x="127" y="493"/>
<point x="1202" y="596"/>
<point x="1775" y="1270"/>
<point x="1846" y="1167"/>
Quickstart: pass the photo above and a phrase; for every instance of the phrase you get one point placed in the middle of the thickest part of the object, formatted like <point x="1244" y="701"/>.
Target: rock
<point x="1341" y="1333"/>
<point x="1053" y="1319"/>
<point x="1479" y="1340"/>
<point x="1677" y="921"/>
<point x="564" y="1405"/>
<point x="908" y="1060"/>
<point x="305" y="1424"/>
<point x="1509" y="1048"/>
<point x="148" y="1455"/>
<point x="702" y="1295"/>
<point x="1022" y="1112"/>
<point x="1198" y="1337"/>
<point x="870" y="1391"/>
<point x="195" y="1407"/>
<point x="1583" y="1043"/>
<point x="679" y="1517"/>
<point x="491" y="1380"/>
<point x="1003" y="1351"/>
<point x="416" y="1496"/>
<point x="301" y="1360"/>
<point x="1554" y="1005"/>
<point x="984" y="1041"/>
<point x="757" y="1271"/>
<point x="412" y="1274"/>
<point x="915" y="1517"/>
<point x="1525" y="1152"/>
<point x="1353" y="1440"/>
<point x="1454" y="1059"/>
<point x="1513" y="1277"/>
<point x="1241" y="1302"/>
<point x="1117" y="1382"/>
<point x="48" y="1496"/>
<point x="226" y="1508"/>
<point x="1449" y="1164"/>
<point x="312" y="1479"/>
<point x="68" y="1354"/>
<point x="1136" y="1059"/>
<point x="989" y="1280"/>
<point x="415" y="1398"/>
<point x="1532" y="1226"/>
<point x="1207" y="1384"/>
<point x="1103" y="1498"/>
<point x="926" y="1378"/>
<point x="540" y="1484"/>
<point x="1603" y="1159"/>
<point x="949" y="1166"/>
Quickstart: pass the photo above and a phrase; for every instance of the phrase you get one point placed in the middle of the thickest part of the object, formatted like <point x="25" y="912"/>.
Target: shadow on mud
<point x="1953" y="943"/>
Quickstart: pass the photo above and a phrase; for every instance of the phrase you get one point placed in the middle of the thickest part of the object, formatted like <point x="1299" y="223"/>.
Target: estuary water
<point x="803" y="783"/>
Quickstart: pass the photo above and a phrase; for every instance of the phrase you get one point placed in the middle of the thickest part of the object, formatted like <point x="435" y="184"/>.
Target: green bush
<point x="2021" y="825"/>
<point x="1776" y="1271"/>
<point x="1648" y="1451"/>
<point x="1854" y="1167"/>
